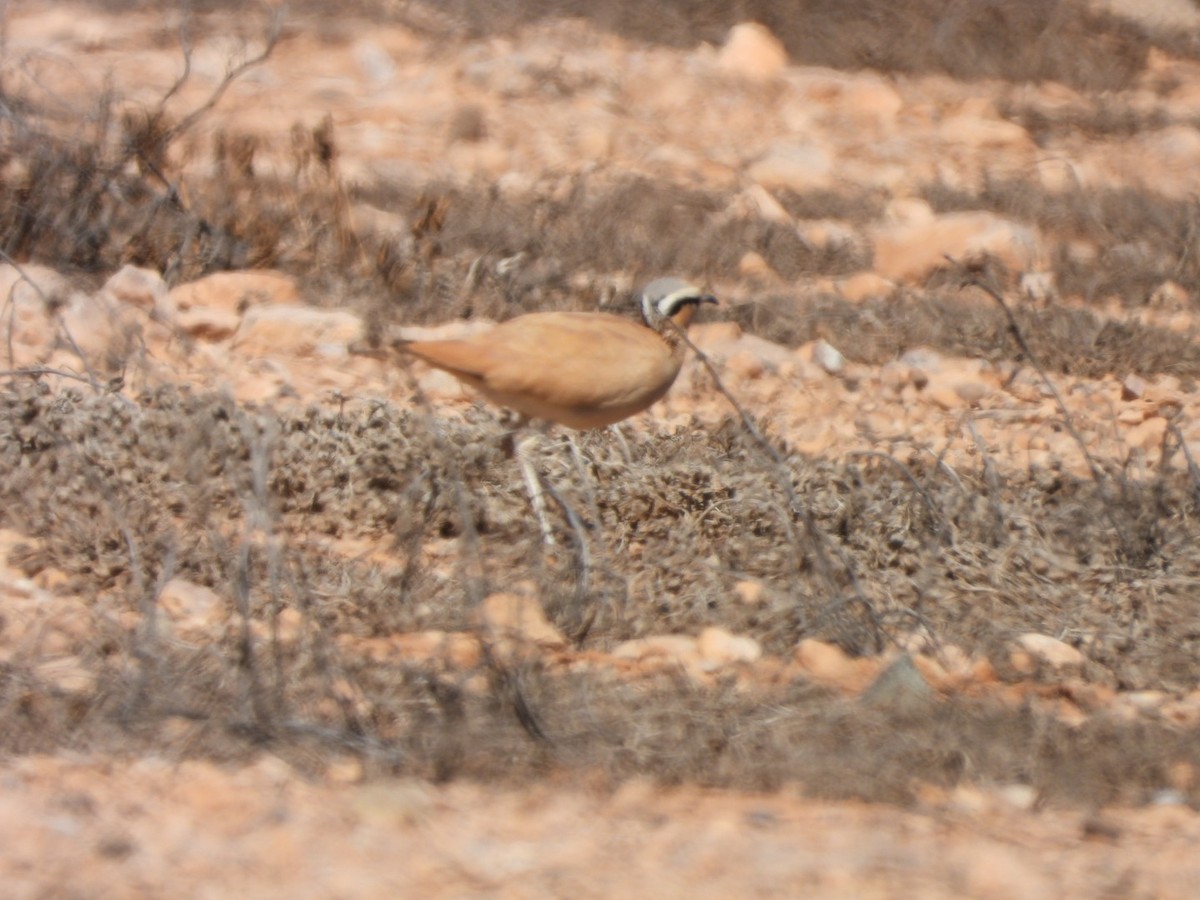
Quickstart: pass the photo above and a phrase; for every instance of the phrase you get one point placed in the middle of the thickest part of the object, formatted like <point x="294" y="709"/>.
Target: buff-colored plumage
<point x="582" y="370"/>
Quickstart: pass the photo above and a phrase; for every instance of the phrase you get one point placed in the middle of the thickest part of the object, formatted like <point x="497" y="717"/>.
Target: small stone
<point x="518" y="618"/>
<point x="1038" y="286"/>
<point x="943" y="396"/>
<point x="142" y="288"/>
<point x="1144" y="701"/>
<point x="676" y="645"/>
<point x="752" y="52"/>
<point x="235" y="292"/>
<point x="985" y="133"/>
<point x="344" y="770"/>
<point x="828" y="357"/>
<point x="908" y="211"/>
<point x="40" y="286"/>
<point x="456" y="649"/>
<point x="971" y="391"/>
<point x="664" y="650"/>
<point x="194" y="610"/>
<point x="1133" y="387"/>
<point x="1019" y="796"/>
<point x="749" y="592"/>
<point x="829" y="664"/>
<point x="1170" y="295"/>
<point x="865" y="286"/>
<point x="756" y="202"/>
<point x="438" y="385"/>
<point x="753" y="266"/>
<point x="720" y="647"/>
<point x="302" y="330"/>
<point x="830" y="236"/>
<point x="375" y="62"/>
<point x="102" y="329"/>
<point x="1132" y="415"/>
<point x="1050" y="651"/>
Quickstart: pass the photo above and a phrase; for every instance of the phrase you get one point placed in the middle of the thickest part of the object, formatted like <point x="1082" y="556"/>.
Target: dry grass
<point x="1019" y="41"/>
<point x="112" y="493"/>
<point x="121" y="495"/>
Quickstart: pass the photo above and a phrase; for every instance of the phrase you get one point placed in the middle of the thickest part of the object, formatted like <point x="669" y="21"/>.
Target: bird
<point x="582" y="370"/>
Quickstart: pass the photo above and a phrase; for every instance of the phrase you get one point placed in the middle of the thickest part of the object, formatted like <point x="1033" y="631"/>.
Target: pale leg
<point x="533" y="484"/>
<point x="615" y="428"/>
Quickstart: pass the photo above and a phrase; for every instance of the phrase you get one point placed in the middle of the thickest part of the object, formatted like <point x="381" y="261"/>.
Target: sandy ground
<point x="530" y="111"/>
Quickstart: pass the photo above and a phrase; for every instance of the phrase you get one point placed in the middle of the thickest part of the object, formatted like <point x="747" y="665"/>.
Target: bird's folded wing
<point x="578" y="360"/>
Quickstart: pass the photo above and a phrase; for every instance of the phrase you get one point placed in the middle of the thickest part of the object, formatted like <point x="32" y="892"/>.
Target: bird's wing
<point x="577" y="359"/>
<point x="466" y="359"/>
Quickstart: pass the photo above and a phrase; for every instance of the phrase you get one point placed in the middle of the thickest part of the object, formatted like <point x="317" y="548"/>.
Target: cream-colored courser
<point x="579" y="369"/>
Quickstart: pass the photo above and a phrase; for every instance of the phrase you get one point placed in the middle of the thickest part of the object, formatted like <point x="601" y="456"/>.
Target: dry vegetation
<point x="125" y="493"/>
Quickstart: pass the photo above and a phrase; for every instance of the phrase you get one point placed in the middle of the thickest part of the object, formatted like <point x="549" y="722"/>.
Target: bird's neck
<point x="672" y="329"/>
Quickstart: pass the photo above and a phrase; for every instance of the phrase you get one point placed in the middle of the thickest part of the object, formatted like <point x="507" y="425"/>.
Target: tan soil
<point x="276" y="624"/>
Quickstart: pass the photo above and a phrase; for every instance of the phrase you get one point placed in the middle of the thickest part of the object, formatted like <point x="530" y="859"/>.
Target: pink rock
<point x="1050" y="650"/>
<point x="302" y="330"/>
<point x="195" y="610"/>
<point x="235" y="292"/>
<point x="510" y="619"/>
<point x="752" y="52"/>
<point x="141" y="288"/>
<point x="829" y="664"/>
<point x="720" y="647"/>
<point x="865" y="286"/>
<point x="910" y="252"/>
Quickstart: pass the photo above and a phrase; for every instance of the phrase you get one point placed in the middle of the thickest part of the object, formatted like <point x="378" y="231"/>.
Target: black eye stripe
<point x="677" y="303"/>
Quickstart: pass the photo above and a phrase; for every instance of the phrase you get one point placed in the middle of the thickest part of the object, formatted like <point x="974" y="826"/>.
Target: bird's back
<point x="583" y="370"/>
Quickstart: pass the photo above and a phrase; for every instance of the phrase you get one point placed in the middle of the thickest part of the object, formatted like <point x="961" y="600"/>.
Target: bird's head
<point x="671" y="298"/>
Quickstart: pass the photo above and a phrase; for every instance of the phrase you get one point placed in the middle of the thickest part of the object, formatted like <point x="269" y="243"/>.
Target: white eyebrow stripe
<point x="671" y="303"/>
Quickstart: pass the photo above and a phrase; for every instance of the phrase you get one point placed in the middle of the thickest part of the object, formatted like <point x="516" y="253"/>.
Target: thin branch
<point x="41" y="371"/>
<point x="1193" y="469"/>
<point x="1098" y="474"/>
<point x="1014" y="329"/>
<point x="232" y="74"/>
<point x="185" y="46"/>
<point x="91" y="379"/>
<point x="820" y="543"/>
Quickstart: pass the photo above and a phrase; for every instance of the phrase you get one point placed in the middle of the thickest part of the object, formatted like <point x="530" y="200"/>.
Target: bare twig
<point x="820" y="543"/>
<point x="1018" y="335"/>
<point x="989" y="474"/>
<point x="583" y="556"/>
<point x="1098" y="474"/>
<point x="91" y="379"/>
<point x="257" y="509"/>
<point x="1193" y="468"/>
<point x="42" y="371"/>
<point x="232" y="74"/>
<point x="475" y="580"/>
